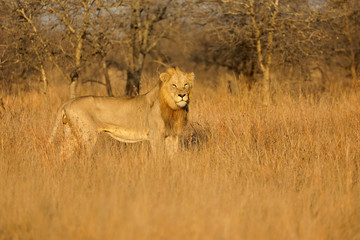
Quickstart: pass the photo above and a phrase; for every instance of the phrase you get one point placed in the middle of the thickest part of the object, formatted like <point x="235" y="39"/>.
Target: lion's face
<point x="176" y="87"/>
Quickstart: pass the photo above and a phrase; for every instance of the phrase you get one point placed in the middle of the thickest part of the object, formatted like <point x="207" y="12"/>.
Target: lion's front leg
<point x="157" y="145"/>
<point x="165" y="145"/>
<point x="171" y="145"/>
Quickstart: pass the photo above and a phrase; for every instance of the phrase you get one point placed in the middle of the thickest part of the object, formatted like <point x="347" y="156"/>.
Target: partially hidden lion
<point x="158" y="116"/>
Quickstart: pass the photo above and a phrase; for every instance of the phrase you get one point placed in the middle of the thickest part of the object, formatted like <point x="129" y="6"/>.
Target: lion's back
<point x="106" y="112"/>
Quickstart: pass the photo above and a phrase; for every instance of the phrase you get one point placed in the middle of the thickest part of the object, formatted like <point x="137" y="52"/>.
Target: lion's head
<point x="176" y="87"/>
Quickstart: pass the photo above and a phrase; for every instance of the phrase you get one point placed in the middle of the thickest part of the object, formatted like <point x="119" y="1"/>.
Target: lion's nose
<point x="182" y="95"/>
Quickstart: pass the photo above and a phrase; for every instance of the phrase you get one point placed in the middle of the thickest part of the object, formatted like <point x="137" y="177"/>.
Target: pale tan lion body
<point x="159" y="114"/>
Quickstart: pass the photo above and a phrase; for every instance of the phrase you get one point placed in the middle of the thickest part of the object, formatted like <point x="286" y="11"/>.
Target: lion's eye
<point x="174" y="85"/>
<point x="185" y="85"/>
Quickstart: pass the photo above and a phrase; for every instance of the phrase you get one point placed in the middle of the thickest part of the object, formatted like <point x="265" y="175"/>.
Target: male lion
<point x="158" y="116"/>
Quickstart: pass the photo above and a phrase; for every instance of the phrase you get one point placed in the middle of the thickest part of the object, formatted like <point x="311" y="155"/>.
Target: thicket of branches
<point x="251" y="38"/>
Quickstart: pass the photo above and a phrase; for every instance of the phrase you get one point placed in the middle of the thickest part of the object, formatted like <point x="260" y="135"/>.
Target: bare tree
<point x="102" y="35"/>
<point x="75" y="17"/>
<point x="91" y="28"/>
<point x="148" y="23"/>
<point x="21" y="23"/>
<point x="224" y="38"/>
<point x="344" y="30"/>
<point x="264" y="47"/>
<point x="252" y="38"/>
<point x="247" y="28"/>
<point x="37" y="44"/>
<point x="246" y="36"/>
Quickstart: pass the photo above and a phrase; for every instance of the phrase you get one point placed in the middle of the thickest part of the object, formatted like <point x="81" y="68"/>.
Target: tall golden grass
<point x="289" y="170"/>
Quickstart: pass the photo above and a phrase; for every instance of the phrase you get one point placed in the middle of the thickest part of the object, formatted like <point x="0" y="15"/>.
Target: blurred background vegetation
<point x="111" y="45"/>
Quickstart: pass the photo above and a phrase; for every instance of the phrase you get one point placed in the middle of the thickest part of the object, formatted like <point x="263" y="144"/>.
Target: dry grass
<point x="285" y="171"/>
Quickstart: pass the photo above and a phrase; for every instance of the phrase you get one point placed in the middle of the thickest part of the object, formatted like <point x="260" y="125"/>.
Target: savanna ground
<point x="289" y="170"/>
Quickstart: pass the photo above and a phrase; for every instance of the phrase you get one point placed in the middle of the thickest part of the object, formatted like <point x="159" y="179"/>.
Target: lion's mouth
<point x="181" y="104"/>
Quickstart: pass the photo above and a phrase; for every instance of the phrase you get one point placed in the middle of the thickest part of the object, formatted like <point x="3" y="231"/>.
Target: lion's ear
<point x="191" y="77"/>
<point x="165" y="77"/>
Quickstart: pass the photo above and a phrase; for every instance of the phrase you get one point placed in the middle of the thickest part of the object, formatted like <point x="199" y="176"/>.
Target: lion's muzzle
<point x="182" y="100"/>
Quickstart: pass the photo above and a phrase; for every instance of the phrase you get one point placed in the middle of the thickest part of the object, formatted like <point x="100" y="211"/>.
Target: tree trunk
<point x="44" y="79"/>
<point x="134" y="73"/>
<point x="266" y="87"/>
<point x="73" y="86"/>
<point x="133" y="83"/>
<point x="107" y="78"/>
<point x="353" y="71"/>
<point x="349" y="35"/>
<point x="75" y="75"/>
<point x="73" y="83"/>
